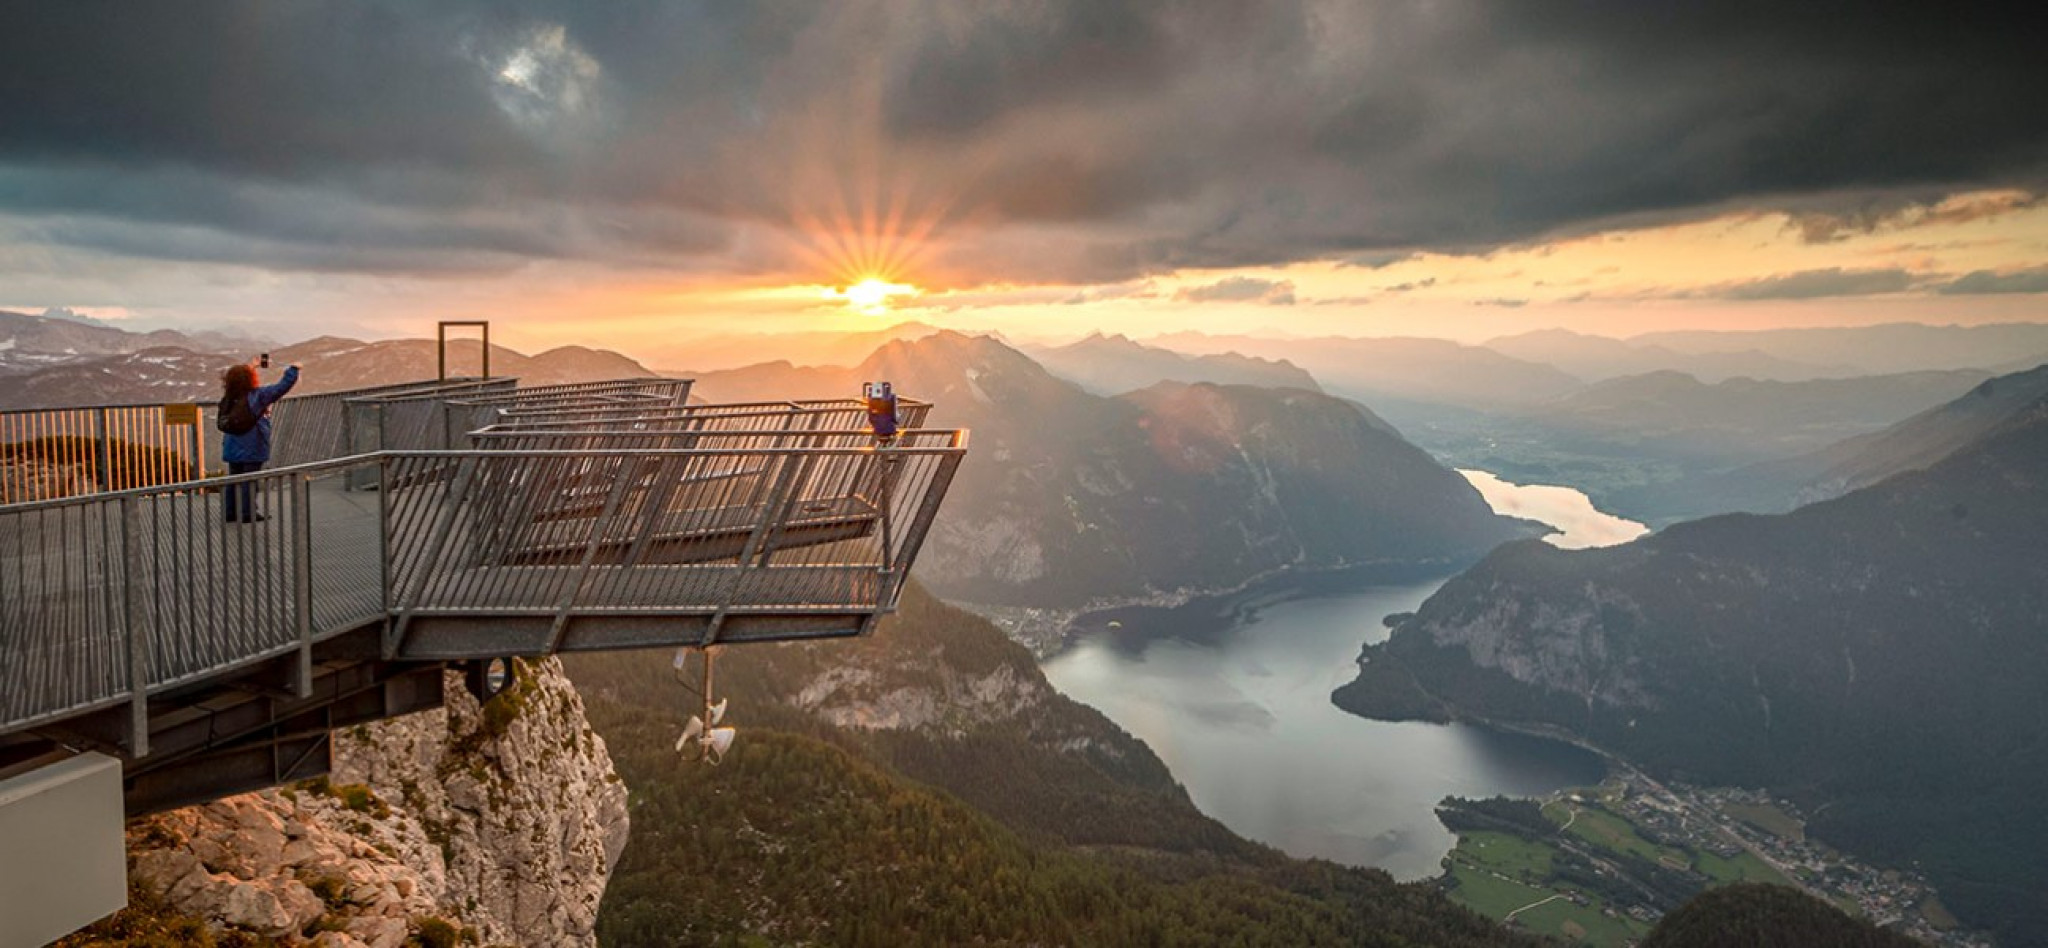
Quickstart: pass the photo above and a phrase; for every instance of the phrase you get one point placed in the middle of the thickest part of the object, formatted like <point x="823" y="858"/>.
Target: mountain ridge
<point x="1171" y="487"/>
<point x="1678" y="415"/>
<point x="1113" y="364"/>
<point x="1595" y="358"/>
<point x="1436" y="371"/>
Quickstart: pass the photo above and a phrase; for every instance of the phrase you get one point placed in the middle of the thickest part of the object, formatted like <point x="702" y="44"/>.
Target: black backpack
<point x="235" y="417"/>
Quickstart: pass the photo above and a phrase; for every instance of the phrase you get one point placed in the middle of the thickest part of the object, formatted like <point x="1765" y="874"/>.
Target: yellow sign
<point x="181" y="414"/>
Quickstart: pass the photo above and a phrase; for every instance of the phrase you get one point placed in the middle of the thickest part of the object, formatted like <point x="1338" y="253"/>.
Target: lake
<point x="1578" y="522"/>
<point x="1233" y="693"/>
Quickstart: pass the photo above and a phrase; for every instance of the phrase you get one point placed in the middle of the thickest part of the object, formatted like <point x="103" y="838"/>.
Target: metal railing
<point x="108" y="598"/>
<point x="66" y="452"/>
<point x="465" y="415"/>
<point x="578" y="493"/>
<point x="307" y="428"/>
<point x="104" y="598"/>
<point x="834" y="414"/>
<point x="414" y="420"/>
<point x="815" y="525"/>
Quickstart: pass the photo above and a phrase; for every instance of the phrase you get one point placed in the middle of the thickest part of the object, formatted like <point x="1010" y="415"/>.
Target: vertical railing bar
<point x="138" y="668"/>
<point x="385" y="525"/>
<point x="102" y="474"/>
<point x="198" y="447"/>
<point x="302" y="579"/>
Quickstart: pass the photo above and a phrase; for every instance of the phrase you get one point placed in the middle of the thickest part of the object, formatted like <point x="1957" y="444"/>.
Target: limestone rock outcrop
<point x="498" y="824"/>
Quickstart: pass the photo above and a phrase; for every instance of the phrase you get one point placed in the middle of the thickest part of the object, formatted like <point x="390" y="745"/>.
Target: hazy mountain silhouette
<point x="709" y="353"/>
<point x="1595" y="358"/>
<point x="1111" y="365"/>
<point x="1422" y="370"/>
<point x="1672" y="414"/>
<point x="1068" y="496"/>
<point x="1779" y="485"/>
<point x="1893" y="347"/>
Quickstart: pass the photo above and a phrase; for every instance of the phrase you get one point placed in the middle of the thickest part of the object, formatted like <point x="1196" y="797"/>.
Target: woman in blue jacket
<point x="247" y="450"/>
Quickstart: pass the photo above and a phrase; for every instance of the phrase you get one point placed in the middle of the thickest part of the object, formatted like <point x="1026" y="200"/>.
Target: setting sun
<point x="873" y="294"/>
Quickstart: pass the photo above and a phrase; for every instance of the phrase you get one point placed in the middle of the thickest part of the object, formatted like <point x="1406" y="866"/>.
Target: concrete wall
<point x="63" y="863"/>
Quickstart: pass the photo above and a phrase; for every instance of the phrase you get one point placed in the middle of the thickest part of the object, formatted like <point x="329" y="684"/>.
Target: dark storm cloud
<point x="1816" y="284"/>
<point x="2033" y="280"/>
<point x="1084" y="139"/>
<point x="1239" y="289"/>
<point x="1890" y="211"/>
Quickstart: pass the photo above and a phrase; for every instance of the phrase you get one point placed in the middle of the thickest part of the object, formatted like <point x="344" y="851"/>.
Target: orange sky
<point x="1735" y="271"/>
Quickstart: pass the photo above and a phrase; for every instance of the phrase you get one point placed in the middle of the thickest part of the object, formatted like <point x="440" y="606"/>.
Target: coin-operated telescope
<point x="881" y="399"/>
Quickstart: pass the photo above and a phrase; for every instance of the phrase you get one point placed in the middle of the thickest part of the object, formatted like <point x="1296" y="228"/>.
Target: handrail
<point x="4" y="412"/>
<point x="652" y="386"/>
<point x="328" y="424"/>
<point x="826" y="419"/>
<point x="441" y="390"/>
<point x="352" y="422"/>
<point x="95" y="448"/>
<point x="955" y="438"/>
<point x="802" y="404"/>
<point x="912" y="413"/>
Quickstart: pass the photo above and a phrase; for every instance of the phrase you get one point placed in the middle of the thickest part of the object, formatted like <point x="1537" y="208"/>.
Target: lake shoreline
<point x="1232" y="691"/>
<point x="1047" y="632"/>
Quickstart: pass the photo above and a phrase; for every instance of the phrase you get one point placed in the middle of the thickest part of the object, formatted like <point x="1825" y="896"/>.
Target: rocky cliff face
<point x="499" y="822"/>
<point x="1581" y="646"/>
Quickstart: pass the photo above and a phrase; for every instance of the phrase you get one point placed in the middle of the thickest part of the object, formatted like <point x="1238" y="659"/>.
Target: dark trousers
<point x="238" y="501"/>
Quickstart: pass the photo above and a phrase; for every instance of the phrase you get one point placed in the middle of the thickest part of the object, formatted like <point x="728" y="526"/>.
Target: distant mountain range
<point x="822" y="347"/>
<point x="1778" y="485"/>
<point x="1371" y="370"/>
<point x="1672" y="414"/>
<point x="1881" y="657"/>
<point x="1925" y="438"/>
<point x="1112" y="365"/>
<point x="1889" y="348"/>
<point x="1069" y="497"/>
<point x="121" y="372"/>
<point x="31" y="342"/>
<point x="333" y="363"/>
<point x="1594" y="358"/>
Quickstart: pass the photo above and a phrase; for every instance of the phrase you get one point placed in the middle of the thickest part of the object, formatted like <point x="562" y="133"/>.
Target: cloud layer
<point x="1086" y="140"/>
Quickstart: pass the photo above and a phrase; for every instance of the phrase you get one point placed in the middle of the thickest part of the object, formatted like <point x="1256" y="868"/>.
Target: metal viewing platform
<point x="410" y="527"/>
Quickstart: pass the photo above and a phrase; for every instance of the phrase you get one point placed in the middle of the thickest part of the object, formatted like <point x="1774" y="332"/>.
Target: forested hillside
<point x="1755" y="915"/>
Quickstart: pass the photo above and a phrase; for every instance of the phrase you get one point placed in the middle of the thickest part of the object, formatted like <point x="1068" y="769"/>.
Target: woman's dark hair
<point x="237" y="382"/>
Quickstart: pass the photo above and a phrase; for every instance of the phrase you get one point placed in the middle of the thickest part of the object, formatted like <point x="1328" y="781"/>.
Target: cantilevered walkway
<point x="412" y="527"/>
